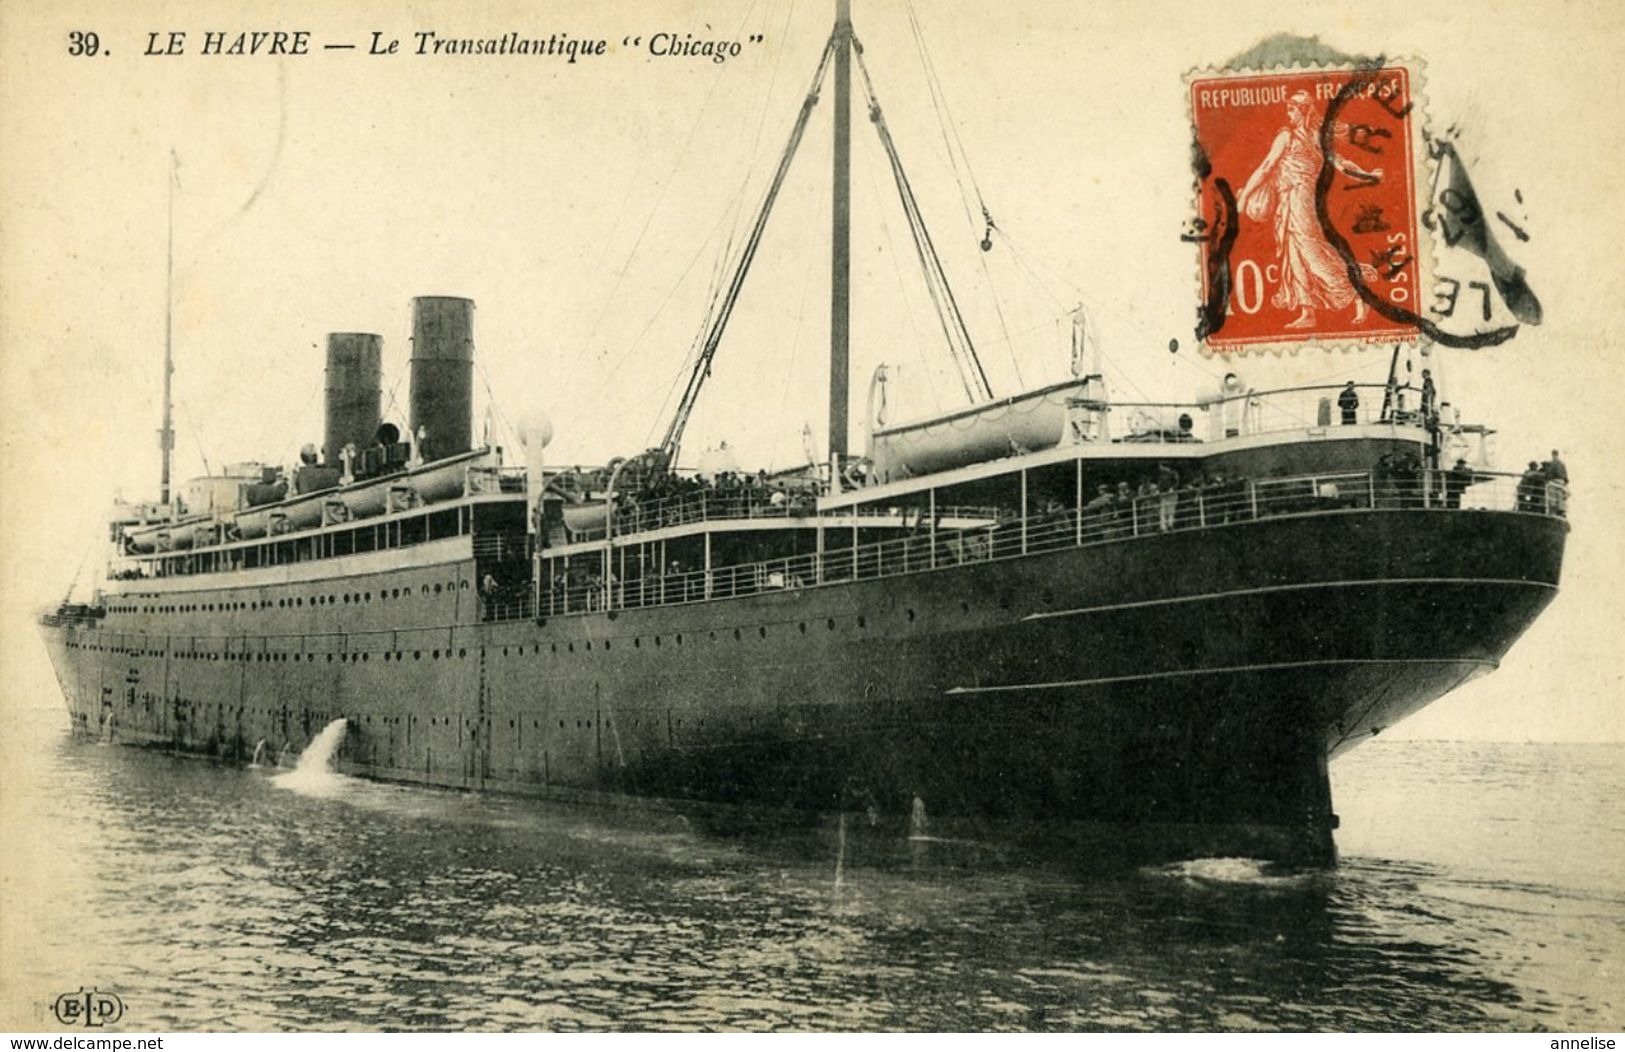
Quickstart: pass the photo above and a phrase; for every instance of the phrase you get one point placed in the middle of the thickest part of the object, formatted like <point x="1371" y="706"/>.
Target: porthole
<point x="762" y="631"/>
<point x="462" y="652"/>
<point x="416" y="654"/>
<point x="434" y="656"/>
<point x="803" y="628"/>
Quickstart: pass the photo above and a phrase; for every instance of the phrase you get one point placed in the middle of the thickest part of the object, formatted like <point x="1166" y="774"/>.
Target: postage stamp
<point x="1307" y="197"/>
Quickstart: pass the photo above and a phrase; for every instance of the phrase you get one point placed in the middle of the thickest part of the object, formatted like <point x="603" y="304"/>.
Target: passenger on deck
<point x="1097" y="513"/>
<point x="1556" y="496"/>
<point x="488" y="593"/>
<point x="1144" y="502"/>
<point x="1349" y="402"/>
<point x="1123" y="511"/>
<point x="1530" y="486"/>
<point x="1168" y="499"/>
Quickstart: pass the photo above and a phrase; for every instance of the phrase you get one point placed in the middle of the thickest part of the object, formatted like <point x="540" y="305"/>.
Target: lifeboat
<point x="253" y="523"/>
<point x="585" y="517"/>
<point x="444" y="480"/>
<point x="367" y="499"/>
<point x="1025" y="422"/>
<point x="306" y="511"/>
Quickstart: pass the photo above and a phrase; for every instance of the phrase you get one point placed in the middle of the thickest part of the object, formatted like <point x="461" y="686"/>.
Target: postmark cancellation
<point x="1307" y="188"/>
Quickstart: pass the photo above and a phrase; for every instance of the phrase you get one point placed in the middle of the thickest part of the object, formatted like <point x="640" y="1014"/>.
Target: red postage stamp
<point x="1307" y="206"/>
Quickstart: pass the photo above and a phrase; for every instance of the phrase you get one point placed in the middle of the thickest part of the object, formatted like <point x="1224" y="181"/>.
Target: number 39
<point x="83" y="43"/>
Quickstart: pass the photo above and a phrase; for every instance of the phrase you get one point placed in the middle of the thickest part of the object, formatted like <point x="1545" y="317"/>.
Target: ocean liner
<point x="1152" y="622"/>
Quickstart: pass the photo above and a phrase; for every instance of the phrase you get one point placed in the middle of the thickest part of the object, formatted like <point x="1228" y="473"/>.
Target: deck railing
<point x="1102" y="521"/>
<point x="1260" y="412"/>
<point x="711" y="505"/>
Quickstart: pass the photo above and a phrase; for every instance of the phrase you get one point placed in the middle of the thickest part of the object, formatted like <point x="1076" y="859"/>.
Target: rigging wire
<point x="674" y="434"/>
<point x="731" y="211"/>
<point x="958" y="155"/>
<point x="897" y="269"/>
<point x="972" y="375"/>
<point x="801" y="315"/>
<point x="665" y="185"/>
<point x="761" y="122"/>
<point x="939" y="101"/>
<point x="495" y="407"/>
<point x="197" y="436"/>
<point x="940" y="104"/>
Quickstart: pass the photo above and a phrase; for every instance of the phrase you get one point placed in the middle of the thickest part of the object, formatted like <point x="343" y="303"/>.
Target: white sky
<point x="584" y="206"/>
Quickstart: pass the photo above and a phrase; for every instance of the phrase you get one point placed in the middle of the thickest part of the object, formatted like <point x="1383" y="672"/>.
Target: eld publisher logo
<point x="88" y="1008"/>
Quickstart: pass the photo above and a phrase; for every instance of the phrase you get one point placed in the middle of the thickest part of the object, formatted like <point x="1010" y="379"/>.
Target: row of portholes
<point x="294" y="601"/>
<point x="285" y="716"/>
<point x="637" y="642"/>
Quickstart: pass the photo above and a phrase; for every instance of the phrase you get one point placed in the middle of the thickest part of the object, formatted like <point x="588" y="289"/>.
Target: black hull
<point x="1192" y="684"/>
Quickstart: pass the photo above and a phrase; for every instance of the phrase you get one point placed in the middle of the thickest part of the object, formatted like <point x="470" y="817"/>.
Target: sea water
<point x="1480" y="888"/>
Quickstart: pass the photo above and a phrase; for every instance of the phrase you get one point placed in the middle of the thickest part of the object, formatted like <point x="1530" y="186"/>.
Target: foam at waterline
<point x="1232" y="871"/>
<point x="314" y="772"/>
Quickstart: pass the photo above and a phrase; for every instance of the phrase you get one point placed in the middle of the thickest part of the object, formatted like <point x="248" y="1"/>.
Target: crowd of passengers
<point x="670" y="500"/>
<point x="1158" y="503"/>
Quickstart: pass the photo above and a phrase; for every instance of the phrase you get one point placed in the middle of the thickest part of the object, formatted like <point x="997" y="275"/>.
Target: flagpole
<point x="166" y="436"/>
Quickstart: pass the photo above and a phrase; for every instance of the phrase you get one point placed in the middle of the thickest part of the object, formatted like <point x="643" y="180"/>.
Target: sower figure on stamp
<point x="1313" y="275"/>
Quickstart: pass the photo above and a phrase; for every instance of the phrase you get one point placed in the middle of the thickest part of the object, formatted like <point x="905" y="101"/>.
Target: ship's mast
<point x="841" y="237"/>
<point x="166" y="436"/>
